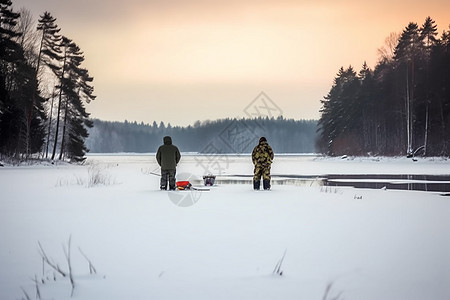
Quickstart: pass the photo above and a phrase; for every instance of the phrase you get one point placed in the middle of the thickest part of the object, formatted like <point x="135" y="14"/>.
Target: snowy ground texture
<point x="339" y="243"/>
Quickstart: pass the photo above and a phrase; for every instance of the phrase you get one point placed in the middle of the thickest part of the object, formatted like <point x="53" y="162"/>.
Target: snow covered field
<point x="339" y="243"/>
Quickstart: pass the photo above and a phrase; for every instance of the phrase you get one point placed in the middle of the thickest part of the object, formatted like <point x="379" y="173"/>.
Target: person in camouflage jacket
<point x="262" y="157"/>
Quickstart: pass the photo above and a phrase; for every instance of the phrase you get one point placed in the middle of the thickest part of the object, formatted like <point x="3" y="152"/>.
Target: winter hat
<point x="262" y="139"/>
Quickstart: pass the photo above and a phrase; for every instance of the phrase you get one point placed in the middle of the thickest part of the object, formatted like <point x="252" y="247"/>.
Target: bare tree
<point x="29" y="39"/>
<point x="387" y="51"/>
<point x="28" y="42"/>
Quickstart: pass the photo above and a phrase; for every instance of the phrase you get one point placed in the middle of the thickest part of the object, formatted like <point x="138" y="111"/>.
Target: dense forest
<point x="401" y="107"/>
<point x="220" y="136"/>
<point x="43" y="89"/>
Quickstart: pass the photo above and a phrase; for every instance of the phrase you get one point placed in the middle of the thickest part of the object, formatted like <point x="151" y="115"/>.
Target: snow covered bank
<point x="370" y="244"/>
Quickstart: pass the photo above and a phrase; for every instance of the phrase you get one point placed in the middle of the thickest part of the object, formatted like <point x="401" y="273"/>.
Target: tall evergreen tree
<point x="9" y="50"/>
<point x="16" y="89"/>
<point x="339" y="113"/>
<point x="408" y="53"/>
<point x="440" y="96"/>
<point x="74" y="88"/>
<point x="368" y="118"/>
<point x="428" y="33"/>
<point x="61" y="74"/>
<point x="49" y="55"/>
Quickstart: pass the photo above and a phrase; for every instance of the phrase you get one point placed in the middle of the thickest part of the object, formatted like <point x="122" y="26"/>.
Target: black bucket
<point x="208" y="180"/>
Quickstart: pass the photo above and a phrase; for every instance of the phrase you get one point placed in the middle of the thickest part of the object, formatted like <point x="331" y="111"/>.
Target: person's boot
<point x="266" y="184"/>
<point x="256" y="184"/>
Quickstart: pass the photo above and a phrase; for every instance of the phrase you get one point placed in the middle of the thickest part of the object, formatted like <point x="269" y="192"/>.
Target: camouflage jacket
<point x="262" y="154"/>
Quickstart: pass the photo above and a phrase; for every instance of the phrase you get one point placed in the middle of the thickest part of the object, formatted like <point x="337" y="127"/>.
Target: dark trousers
<point x="168" y="176"/>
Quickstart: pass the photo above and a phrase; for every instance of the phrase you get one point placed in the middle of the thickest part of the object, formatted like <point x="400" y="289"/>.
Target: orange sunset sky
<point x="181" y="61"/>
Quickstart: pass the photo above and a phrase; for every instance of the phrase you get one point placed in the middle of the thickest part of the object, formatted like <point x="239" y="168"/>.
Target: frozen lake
<point x="339" y="242"/>
<point x="430" y="174"/>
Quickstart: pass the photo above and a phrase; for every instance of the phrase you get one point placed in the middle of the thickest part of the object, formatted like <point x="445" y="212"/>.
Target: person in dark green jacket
<point x="262" y="157"/>
<point x="168" y="157"/>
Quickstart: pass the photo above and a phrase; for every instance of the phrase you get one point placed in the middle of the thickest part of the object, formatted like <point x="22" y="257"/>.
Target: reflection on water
<point x="430" y="183"/>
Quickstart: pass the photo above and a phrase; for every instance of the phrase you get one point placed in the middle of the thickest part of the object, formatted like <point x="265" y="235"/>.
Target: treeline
<point x="220" y="136"/>
<point x="43" y="89"/>
<point x="400" y="107"/>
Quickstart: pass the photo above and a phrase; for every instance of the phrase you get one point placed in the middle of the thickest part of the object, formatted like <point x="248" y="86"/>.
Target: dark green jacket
<point x="262" y="154"/>
<point x="168" y="155"/>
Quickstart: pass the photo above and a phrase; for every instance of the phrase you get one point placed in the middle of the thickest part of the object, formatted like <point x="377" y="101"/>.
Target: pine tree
<point x="9" y="51"/>
<point x="439" y="139"/>
<point x="368" y="117"/>
<point x="6" y="47"/>
<point x="408" y="54"/>
<point x="74" y="88"/>
<point x="339" y="114"/>
<point x="76" y="118"/>
<point x="16" y="88"/>
<point x="428" y="33"/>
<point x="49" y="55"/>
